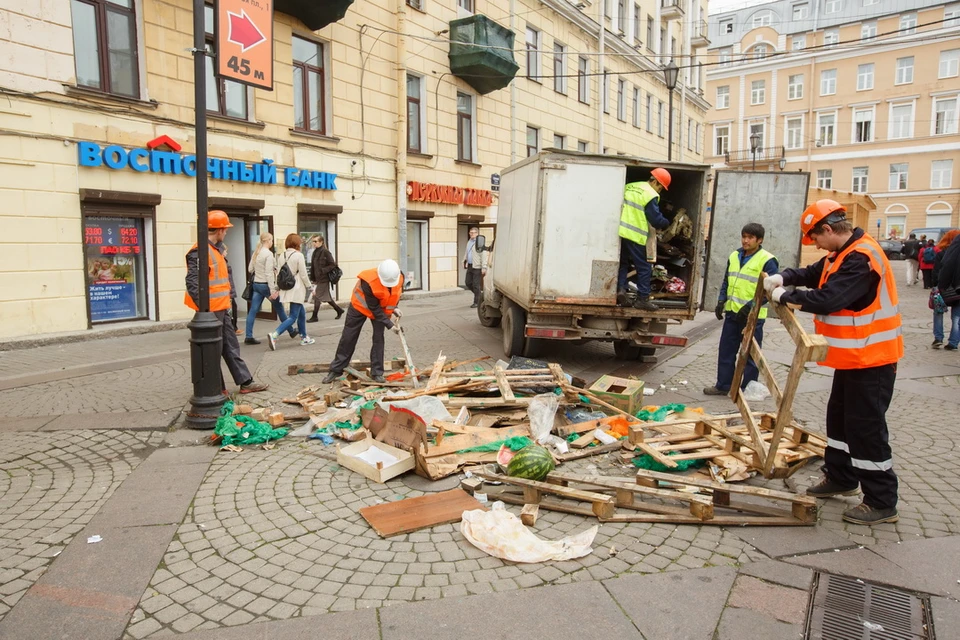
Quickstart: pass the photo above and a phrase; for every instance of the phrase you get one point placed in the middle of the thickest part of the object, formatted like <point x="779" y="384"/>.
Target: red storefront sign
<point x="445" y="194"/>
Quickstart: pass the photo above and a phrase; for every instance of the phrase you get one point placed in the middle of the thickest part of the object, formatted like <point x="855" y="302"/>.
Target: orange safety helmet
<point x="662" y="176"/>
<point x="217" y="219"/>
<point x="821" y="211"/>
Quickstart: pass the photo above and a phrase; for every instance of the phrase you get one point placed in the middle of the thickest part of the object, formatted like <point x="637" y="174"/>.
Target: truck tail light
<point x="545" y="333"/>
<point x="673" y="341"/>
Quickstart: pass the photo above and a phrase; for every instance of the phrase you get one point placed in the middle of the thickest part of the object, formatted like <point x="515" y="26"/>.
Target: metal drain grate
<point x="850" y="609"/>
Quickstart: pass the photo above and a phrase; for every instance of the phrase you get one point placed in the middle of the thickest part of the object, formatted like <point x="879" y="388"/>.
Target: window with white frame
<point x="795" y="87"/>
<point x="560" y="68"/>
<point x="833" y="6"/>
<point x="908" y="24"/>
<point x="758" y="92"/>
<point x="898" y="176"/>
<point x="649" y="113"/>
<point x="621" y="100"/>
<point x="581" y="146"/>
<point x="622" y="16"/>
<point x="827" y="128"/>
<point x="660" y="118"/>
<point x="726" y="57"/>
<point x="760" y="51"/>
<point x="870" y="3"/>
<point x="533" y="54"/>
<point x="636" y="107"/>
<point x="901" y="121"/>
<point x="825" y="178"/>
<point x="798" y="43"/>
<point x="904" y="70"/>
<point x="868" y="30"/>
<point x="533" y="141"/>
<point x="698" y="138"/>
<point x="941" y="174"/>
<point x="723" y="97"/>
<point x="794" y="129"/>
<point x="605" y="91"/>
<point x="951" y="16"/>
<point x="559" y="141"/>
<point x="939" y="214"/>
<point x="863" y="124"/>
<point x="466" y="131"/>
<point x="949" y="64"/>
<point x="865" y="77"/>
<point x="760" y="129"/>
<point x="801" y="11"/>
<point x="828" y="82"/>
<point x="416" y="4"/>
<point x="896" y="224"/>
<point x="726" y="26"/>
<point x="860" y="176"/>
<point x="945" y="116"/>
<point x="465" y="6"/>
<point x="637" y="23"/>
<point x="689" y="134"/>
<point x="762" y="19"/>
<point x="583" y="85"/>
<point x="831" y="37"/>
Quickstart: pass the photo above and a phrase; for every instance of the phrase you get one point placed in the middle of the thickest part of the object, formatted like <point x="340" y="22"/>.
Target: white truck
<point x="557" y="250"/>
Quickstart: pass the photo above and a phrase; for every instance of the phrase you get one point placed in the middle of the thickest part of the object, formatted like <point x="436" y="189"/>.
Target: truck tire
<point x="486" y="318"/>
<point x="625" y="350"/>
<point x="514" y="321"/>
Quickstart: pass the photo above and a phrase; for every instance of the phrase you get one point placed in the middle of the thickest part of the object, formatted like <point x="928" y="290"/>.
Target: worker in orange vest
<point x="222" y="292"/>
<point x="375" y="297"/>
<point x="853" y="294"/>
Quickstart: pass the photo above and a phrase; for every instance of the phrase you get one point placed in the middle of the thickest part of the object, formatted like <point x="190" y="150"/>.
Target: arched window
<point x="939" y="214"/>
<point x="896" y="215"/>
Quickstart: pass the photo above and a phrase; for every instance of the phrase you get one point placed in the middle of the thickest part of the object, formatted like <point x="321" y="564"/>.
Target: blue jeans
<point x="261" y="292"/>
<point x="730" y="337"/>
<point x="954" y="339"/>
<point x="630" y="251"/>
<point x="297" y="314"/>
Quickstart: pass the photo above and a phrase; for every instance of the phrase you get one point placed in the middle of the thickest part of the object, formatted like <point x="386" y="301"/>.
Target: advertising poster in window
<point x="115" y="265"/>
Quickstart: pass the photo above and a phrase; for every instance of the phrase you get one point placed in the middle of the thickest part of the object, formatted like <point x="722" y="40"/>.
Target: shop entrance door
<point x="241" y="241"/>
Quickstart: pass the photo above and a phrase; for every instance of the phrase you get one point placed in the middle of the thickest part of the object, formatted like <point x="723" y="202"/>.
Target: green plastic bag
<point x="244" y="430"/>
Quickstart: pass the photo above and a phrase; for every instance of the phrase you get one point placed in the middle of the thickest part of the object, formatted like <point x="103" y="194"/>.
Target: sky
<point x="717" y="6"/>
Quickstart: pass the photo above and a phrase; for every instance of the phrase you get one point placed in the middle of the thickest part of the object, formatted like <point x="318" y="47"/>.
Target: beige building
<point x="863" y="94"/>
<point x="96" y="155"/>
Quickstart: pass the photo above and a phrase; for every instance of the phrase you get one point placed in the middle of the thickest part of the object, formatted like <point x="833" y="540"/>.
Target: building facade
<point x="387" y="126"/>
<point x="863" y="94"/>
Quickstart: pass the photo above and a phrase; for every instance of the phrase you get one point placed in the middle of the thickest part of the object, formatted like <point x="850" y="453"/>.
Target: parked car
<point x="892" y="248"/>
<point x="932" y="233"/>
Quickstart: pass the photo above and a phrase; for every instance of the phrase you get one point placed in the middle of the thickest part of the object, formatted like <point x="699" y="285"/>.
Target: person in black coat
<point x="322" y="263"/>
<point x="946" y="275"/>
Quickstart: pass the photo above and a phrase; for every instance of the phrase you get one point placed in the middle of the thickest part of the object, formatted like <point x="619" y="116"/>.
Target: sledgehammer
<point x="406" y="354"/>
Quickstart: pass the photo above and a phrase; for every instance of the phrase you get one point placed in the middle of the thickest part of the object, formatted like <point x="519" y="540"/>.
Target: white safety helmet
<point x="389" y="273"/>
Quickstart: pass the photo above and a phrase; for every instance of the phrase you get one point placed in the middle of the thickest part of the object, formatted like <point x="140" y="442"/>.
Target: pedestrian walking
<point x="375" y="296"/>
<point x="641" y="210"/>
<point x="928" y="253"/>
<point x="294" y="296"/>
<point x="853" y="294"/>
<point x="735" y="303"/>
<point x="222" y="291"/>
<point x="322" y="263"/>
<point x="946" y="276"/>
<point x="911" y="253"/>
<point x="262" y="268"/>
<point x="472" y="262"/>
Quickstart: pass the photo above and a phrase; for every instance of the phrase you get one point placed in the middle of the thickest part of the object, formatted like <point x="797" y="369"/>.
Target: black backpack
<point x="334" y="275"/>
<point x="285" y="279"/>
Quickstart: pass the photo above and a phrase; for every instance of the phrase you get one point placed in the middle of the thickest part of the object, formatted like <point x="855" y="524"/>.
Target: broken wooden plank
<point x="764" y="367"/>
<point x="589" y="451"/>
<point x="656" y="455"/>
<point x="601" y="505"/>
<point x="700" y="506"/>
<point x="595" y="400"/>
<point x="528" y="515"/>
<point x="583" y="441"/>
<point x="412" y="514"/>
<point x="356" y="373"/>
<point x="505" y="389"/>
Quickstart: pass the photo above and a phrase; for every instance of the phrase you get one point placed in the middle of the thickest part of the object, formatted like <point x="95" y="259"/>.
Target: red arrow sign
<point x="243" y="31"/>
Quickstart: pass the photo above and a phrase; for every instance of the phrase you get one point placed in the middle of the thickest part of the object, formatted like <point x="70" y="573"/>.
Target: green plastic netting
<point x="660" y="414"/>
<point x="514" y="444"/>
<point x="247" y="432"/>
<point x="647" y="462"/>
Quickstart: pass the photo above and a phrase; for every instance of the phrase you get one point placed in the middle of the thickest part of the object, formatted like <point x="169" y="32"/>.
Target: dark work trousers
<point x="730" y="338"/>
<point x="858" y="451"/>
<point x="474" y="281"/>
<point x="231" y="351"/>
<point x="927" y="278"/>
<point x="631" y="252"/>
<point x="348" y="343"/>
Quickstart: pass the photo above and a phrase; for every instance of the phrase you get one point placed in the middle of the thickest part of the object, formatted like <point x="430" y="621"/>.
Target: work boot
<point x="622" y="299"/>
<point x="313" y="318"/>
<point x="713" y="391"/>
<point x="828" y="488"/>
<point x="330" y="377"/>
<point x="937" y="344"/>
<point x="253" y="387"/>
<point x="251" y="341"/>
<point x="644" y="304"/>
<point x="865" y="514"/>
<point x="379" y="379"/>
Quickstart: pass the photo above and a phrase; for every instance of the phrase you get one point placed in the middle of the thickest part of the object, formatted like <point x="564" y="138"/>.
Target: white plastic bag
<point x="428" y="408"/>
<point x="501" y="534"/>
<point x="755" y="392"/>
<point x="541" y="412"/>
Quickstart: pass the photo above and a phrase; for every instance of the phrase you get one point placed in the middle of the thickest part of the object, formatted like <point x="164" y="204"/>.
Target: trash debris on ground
<point x="94" y="539"/>
<point x="412" y="514"/>
<point x="755" y="391"/>
<point x="234" y="430"/>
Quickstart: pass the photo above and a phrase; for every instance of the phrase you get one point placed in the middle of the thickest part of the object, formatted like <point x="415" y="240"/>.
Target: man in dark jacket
<point x="946" y="275"/>
<point x="911" y="253"/>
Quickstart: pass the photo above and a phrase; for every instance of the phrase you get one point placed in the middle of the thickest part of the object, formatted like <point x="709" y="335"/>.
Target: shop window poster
<point x="114" y="255"/>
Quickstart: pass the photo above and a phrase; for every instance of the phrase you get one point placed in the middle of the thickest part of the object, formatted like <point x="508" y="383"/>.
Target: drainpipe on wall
<point x="812" y="86"/>
<point x="402" y="133"/>
<point x="513" y="91"/>
<point x="600" y="75"/>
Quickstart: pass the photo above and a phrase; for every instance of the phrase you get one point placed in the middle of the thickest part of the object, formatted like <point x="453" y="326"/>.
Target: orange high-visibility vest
<point x="219" y="283"/>
<point x="871" y="337"/>
<point x="388" y="297"/>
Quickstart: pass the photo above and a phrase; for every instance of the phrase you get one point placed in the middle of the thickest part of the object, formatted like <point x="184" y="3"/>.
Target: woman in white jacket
<point x="292" y="257"/>
<point x="263" y="271"/>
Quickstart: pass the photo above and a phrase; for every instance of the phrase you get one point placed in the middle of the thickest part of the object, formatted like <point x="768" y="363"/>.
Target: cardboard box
<point x="622" y="393"/>
<point x="346" y="457"/>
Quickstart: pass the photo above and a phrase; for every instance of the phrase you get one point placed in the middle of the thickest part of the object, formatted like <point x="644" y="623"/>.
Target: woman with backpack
<point x="322" y="264"/>
<point x="293" y="283"/>
<point x="262" y="270"/>
<point x="928" y="254"/>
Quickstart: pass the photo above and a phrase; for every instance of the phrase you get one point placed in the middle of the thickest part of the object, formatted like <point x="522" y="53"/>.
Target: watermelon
<point x="505" y="455"/>
<point x="533" y="462"/>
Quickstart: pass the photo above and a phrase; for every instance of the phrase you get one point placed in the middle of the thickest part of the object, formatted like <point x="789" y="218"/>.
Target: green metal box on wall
<point x="481" y="53"/>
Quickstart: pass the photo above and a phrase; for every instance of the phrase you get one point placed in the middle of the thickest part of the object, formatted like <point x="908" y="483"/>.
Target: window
<point x="941" y="174"/>
<point x="226" y="97"/>
<point x="726" y="55"/>
<point x="533" y="54"/>
<point x="637" y="22"/>
<point x="833" y="6"/>
<point x="721" y="137"/>
<point x="896" y="224"/>
<point x="560" y="68"/>
<point x="465" y="135"/>
<point x="870" y="3"/>
<point x="605" y="88"/>
<point x="795" y="87"/>
<point x="949" y="64"/>
<point x="533" y="141"/>
<point x="901" y="121"/>
<point x="898" y="176"/>
<point x="649" y="113"/>
<point x="583" y="88"/>
<point x="939" y="214"/>
<point x="801" y="11"/>
<point x="908" y="24"/>
<point x="863" y="125"/>
<point x="825" y="178"/>
<point x="831" y="38"/>
<point x="794" y="132"/>
<point x="415" y="270"/>
<point x="650" y="32"/>
<point x="723" y="97"/>
<point x="465" y="6"/>
<point x="581" y="146"/>
<point x="760" y="51"/>
<point x="309" y="91"/>
<point x="663" y="41"/>
<point x="904" y="70"/>
<point x="636" y="107"/>
<point x="415" y="113"/>
<point x="798" y="43"/>
<point x="415" y="4"/>
<point x="759" y="128"/>
<point x="105" y="46"/>
<point x="697" y="138"/>
<point x="621" y="100"/>
<point x="860" y="176"/>
<point x="868" y="30"/>
<point x="660" y="118"/>
<point x="689" y="134"/>
<point x="119" y="286"/>
<point x="865" y="77"/>
<point x="945" y="116"/>
<point x="826" y="129"/>
<point x="673" y="46"/>
<point x="726" y="26"/>
<point x="558" y="141"/>
<point x="758" y="92"/>
<point x="762" y="19"/>
<point x="951" y="16"/>
<point x="608" y="8"/>
<point x="828" y="82"/>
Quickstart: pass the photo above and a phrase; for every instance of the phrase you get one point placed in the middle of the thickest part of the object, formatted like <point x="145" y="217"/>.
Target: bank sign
<point x="154" y="159"/>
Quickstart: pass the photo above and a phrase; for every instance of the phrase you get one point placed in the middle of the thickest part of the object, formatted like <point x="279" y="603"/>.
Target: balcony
<point x="699" y="38"/>
<point x="745" y="156"/>
<point x="316" y="15"/>
<point x="481" y="53"/>
<point x="671" y="9"/>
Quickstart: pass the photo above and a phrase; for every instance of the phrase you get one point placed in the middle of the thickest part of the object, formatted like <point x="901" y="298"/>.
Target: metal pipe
<point x="402" y="133"/>
<point x="669" y="124"/>
<point x="601" y="76"/>
<point x="513" y="92"/>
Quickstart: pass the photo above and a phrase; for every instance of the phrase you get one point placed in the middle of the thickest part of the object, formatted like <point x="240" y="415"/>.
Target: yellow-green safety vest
<point x="633" y="219"/>
<point x="742" y="281"/>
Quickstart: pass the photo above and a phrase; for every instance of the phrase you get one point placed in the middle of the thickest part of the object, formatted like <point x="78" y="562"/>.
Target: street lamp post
<point x="754" y="145"/>
<point x="670" y="77"/>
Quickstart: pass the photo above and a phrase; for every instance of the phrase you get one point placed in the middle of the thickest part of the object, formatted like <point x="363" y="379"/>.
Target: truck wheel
<point x="486" y="318"/>
<point x="625" y="350"/>
<point x="514" y="321"/>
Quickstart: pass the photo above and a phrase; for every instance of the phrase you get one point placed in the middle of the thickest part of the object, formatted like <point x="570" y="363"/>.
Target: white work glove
<point x="777" y="293"/>
<point x="772" y="282"/>
<point x="397" y="313"/>
<point x="395" y="328"/>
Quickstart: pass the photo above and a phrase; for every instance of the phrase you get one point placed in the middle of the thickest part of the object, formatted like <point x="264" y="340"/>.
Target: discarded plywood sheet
<point x="405" y="516"/>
